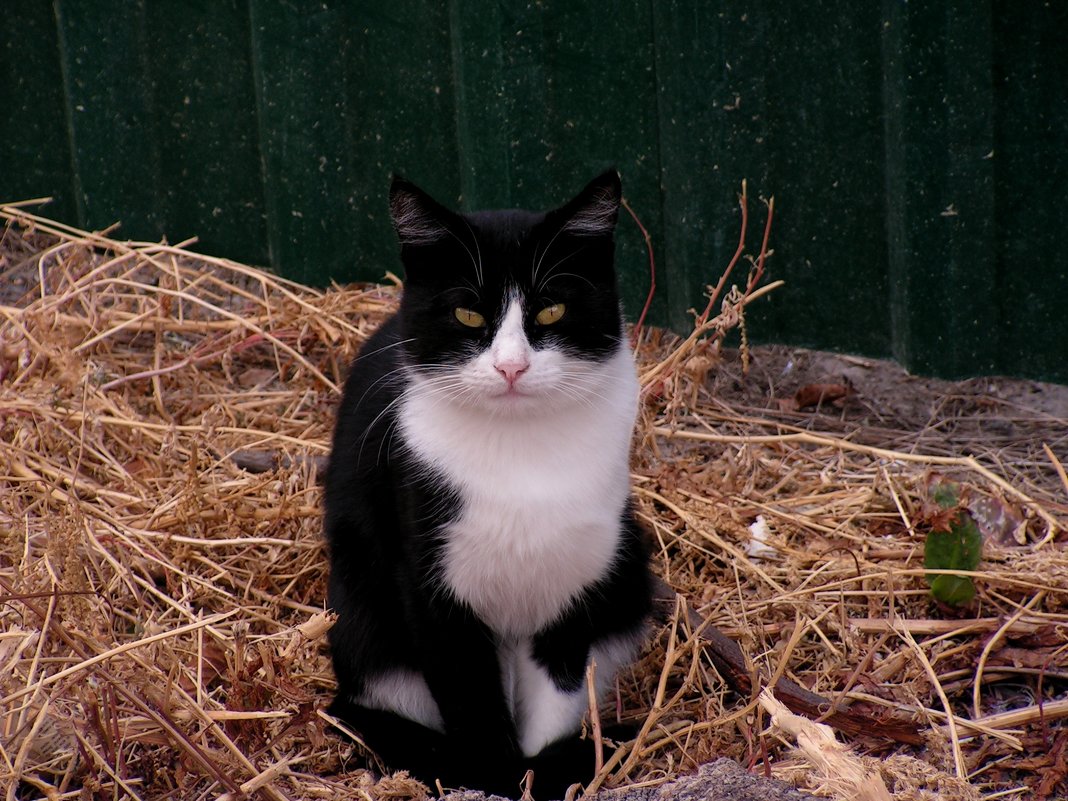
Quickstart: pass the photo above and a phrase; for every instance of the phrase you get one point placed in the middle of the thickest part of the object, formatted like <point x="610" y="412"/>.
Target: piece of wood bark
<point x="732" y="665"/>
<point x="255" y="461"/>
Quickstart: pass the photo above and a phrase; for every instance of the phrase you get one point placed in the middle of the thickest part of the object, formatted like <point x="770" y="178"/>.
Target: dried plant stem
<point x="951" y="720"/>
<point x="1056" y="465"/>
<point x="119" y="649"/>
<point x="949" y="628"/>
<point x="990" y="645"/>
<point x="967" y="462"/>
<point x="713" y="295"/>
<point x="595" y="716"/>
<point x="163" y="417"/>
<point x="636" y="332"/>
<point x="1050" y="711"/>
<point x="261" y="781"/>
<point x="715" y="539"/>
<point x="634" y="748"/>
<point x="717" y="326"/>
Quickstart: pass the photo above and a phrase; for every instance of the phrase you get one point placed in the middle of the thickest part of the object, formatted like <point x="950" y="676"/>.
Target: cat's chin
<point x="518" y="402"/>
<point x="515" y="401"/>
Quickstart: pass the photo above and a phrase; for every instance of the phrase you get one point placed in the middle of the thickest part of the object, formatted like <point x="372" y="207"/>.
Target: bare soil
<point x="162" y="625"/>
<point x="1007" y="418"/>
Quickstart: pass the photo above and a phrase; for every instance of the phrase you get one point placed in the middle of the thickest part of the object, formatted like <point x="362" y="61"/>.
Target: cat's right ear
<point x="418" y="219"/>
<point x="595" y="211"/>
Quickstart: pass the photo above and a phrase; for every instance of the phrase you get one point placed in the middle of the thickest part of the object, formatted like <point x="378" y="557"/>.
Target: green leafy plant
<point x="953" y="543"/>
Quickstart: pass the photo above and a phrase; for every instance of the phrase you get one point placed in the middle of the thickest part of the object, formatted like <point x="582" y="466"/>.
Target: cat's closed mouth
<point x="513" y="391"/>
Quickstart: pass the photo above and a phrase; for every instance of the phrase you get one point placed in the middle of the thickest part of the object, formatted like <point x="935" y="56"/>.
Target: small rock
<point x="722" y="780"/>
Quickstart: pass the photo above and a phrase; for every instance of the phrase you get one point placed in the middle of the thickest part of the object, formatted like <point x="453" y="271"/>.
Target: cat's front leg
<point x="550" y="695"/>
<point x="552" y="688"/>
<point x="459" y="662"/>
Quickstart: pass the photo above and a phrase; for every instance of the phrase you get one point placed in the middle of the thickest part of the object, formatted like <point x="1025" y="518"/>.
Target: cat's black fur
<point x="385" y="510"/>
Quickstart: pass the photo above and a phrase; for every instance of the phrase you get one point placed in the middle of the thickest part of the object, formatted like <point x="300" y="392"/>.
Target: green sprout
<point x="954" y="543"/>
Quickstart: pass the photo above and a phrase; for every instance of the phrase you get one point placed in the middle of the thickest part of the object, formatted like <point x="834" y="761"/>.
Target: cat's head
<point x="510" y="311"/>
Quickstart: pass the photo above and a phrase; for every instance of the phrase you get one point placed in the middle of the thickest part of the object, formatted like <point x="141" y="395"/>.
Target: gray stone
<point x="722" y="780"/>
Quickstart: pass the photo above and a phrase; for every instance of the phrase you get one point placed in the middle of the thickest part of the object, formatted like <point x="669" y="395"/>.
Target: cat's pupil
<point x="472" y="319"/>
<point x="550" y="314"/>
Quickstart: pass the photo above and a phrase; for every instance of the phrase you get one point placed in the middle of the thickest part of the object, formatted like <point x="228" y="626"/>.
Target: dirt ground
<point x="888" y="407"/>
<point x="887" y="395"/>
<point x="131" y="382"/>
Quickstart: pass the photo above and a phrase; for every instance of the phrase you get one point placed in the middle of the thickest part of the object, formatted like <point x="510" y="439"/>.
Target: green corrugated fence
<point x="917" y="151"/>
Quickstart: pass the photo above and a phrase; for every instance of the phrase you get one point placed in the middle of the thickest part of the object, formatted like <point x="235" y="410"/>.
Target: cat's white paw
<point x="545" y="713"/>
<point x="406" y="693"/>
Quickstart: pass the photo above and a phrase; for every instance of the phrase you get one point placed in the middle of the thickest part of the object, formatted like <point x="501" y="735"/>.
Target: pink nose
<point x="512" y="370"/>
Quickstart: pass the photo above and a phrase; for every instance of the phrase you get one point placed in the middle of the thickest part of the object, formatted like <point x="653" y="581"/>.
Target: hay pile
<point x="161" y="607"/>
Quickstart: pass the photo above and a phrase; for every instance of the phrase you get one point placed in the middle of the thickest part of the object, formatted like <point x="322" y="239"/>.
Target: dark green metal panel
<point x="36" y="156"/>
<point x="550" y="95"/>
<point x="940" y="189"/>
<point x="916" y="151"/>
<point x="347" y="94"/>
<point x="402" y="120"/>
<point x="825" y="160"/>
<point x="1031" y="185"/>
<point x="143" y="116"/>
<point x="298" y="52"/>
<point x="199" y="71"/>
<point x="711" y="97"/>
<point x="482" y="126"/>
<point x="780" y="96"/>
<point x="116" y="154"/>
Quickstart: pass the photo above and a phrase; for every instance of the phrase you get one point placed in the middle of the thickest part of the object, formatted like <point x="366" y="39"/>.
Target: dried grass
<point x="161" y="608"/>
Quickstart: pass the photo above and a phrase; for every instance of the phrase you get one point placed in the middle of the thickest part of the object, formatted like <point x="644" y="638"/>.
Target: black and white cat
<point x="482" y="545"/>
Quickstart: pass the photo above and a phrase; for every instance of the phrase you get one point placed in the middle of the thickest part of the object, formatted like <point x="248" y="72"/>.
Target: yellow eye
<point x="472" y="319"/>
<point x="550" y="314"/>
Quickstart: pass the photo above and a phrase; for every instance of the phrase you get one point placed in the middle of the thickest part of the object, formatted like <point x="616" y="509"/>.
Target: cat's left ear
<point x="417" y="218"/>
<point x="595" y="209"/>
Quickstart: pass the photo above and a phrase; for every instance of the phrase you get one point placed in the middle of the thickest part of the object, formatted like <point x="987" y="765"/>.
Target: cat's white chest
<point x="529" y="542"/>
<point x="541" y="502"/>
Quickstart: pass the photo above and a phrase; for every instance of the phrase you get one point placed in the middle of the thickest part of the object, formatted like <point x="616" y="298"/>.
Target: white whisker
<point x="476" y="264"/>
<point x="537" y="267"/>
<point x="396" y="344"/>
<point x="551" y="272"/>
<point x="370" y="427"/>
<point x="474" y="238"/>
<point x="553" y="275"/>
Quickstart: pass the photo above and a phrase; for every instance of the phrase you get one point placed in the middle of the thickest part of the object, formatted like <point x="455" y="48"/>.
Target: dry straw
<point x="161" y="607"/>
